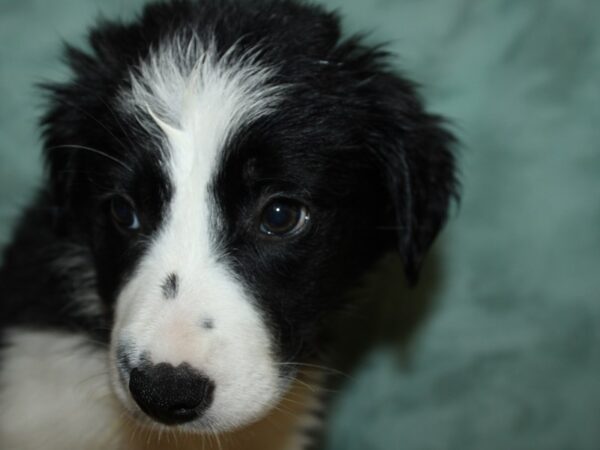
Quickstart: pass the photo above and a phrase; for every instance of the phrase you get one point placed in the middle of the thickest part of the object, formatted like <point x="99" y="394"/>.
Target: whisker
<point x="315" y="389"/>
<point x="87" y="114"/>
<point x="118" y="121"/>
<point x="92" y="150"/>
<point x="292" y="400"/>
<point x="174" y="434"/>
<point x="284" y="411"/>
<point x="91" y="378"/>
<point x="218" y="441"/>
<point x="315" y="366"/>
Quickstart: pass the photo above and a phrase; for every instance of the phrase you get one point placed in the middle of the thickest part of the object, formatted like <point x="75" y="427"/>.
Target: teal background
<point x="499" y="348"/>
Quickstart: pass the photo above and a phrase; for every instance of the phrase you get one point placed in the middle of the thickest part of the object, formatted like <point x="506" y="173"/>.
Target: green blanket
<point x="500" y="346"/>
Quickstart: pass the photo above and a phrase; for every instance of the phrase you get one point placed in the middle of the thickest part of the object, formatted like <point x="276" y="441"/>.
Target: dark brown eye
<point x="283" y="217"/>
<point x="123" y="213"/>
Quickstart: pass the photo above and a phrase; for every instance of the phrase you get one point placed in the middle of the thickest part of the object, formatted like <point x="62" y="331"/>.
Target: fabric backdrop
<point x="499" y="348"/>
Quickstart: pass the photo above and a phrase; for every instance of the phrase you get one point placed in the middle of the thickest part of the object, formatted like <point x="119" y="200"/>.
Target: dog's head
<point x="234" y="169"/>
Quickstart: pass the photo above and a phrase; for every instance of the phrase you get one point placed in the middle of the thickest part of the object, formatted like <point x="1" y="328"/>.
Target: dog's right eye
<point x="123" y="213"/>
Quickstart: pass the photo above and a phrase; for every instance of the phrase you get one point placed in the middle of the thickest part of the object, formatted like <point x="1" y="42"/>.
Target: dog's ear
<point x="60" y="159"/>
<point x="76" y="122"/>
<point x="415" y="153"/>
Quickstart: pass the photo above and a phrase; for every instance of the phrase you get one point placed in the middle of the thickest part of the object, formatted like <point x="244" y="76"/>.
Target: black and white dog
<point x="220" y="173"/>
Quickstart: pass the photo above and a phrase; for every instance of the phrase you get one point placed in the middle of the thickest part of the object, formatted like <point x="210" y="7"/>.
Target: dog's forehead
<point x="189" y="102"/>
<point x="192" y="94"/>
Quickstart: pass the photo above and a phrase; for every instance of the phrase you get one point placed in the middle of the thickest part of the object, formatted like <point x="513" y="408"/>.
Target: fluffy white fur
<point x="53" y="379"/>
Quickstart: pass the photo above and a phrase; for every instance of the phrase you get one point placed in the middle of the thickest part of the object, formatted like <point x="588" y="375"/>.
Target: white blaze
<point x="198" y="100"/>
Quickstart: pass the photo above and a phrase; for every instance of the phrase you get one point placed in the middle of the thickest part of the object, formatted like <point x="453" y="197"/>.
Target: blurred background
<point x="499" y="347"/>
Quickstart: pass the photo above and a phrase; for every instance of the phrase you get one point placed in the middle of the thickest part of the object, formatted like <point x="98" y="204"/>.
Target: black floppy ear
<point x="61" y="124"/>
<point x="418" y="165"/>
<point x="79" y="119"/>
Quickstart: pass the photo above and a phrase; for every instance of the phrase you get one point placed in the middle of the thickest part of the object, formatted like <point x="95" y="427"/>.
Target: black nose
<point x="171" y="395"/>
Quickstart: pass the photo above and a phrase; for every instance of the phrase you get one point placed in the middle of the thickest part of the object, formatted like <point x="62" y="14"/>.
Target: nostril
<point x="171" y="395"/>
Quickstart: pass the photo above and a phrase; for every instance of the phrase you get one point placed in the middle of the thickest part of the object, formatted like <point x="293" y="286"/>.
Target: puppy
<point x="219" y="174"/>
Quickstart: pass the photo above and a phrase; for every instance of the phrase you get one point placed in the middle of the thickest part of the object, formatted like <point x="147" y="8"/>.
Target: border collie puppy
<point x="219" y="174"/>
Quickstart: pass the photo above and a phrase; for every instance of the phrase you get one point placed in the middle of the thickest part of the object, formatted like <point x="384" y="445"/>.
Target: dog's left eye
<point x="283" y="217"/>
<point x="123" y="213"/>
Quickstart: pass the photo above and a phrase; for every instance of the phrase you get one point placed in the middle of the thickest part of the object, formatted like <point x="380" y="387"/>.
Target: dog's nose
<point x="171" y="395"/>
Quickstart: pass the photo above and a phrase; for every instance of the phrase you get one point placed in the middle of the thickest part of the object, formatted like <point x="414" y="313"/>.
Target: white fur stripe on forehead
<point x="185" y="86"/>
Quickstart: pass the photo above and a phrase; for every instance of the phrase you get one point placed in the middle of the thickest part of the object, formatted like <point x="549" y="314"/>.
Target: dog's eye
<point x="123" y="213"/>
<point x="283" y="217"/>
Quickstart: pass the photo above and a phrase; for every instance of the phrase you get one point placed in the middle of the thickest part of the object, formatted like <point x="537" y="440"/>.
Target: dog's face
<point x="234" y="170"/>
